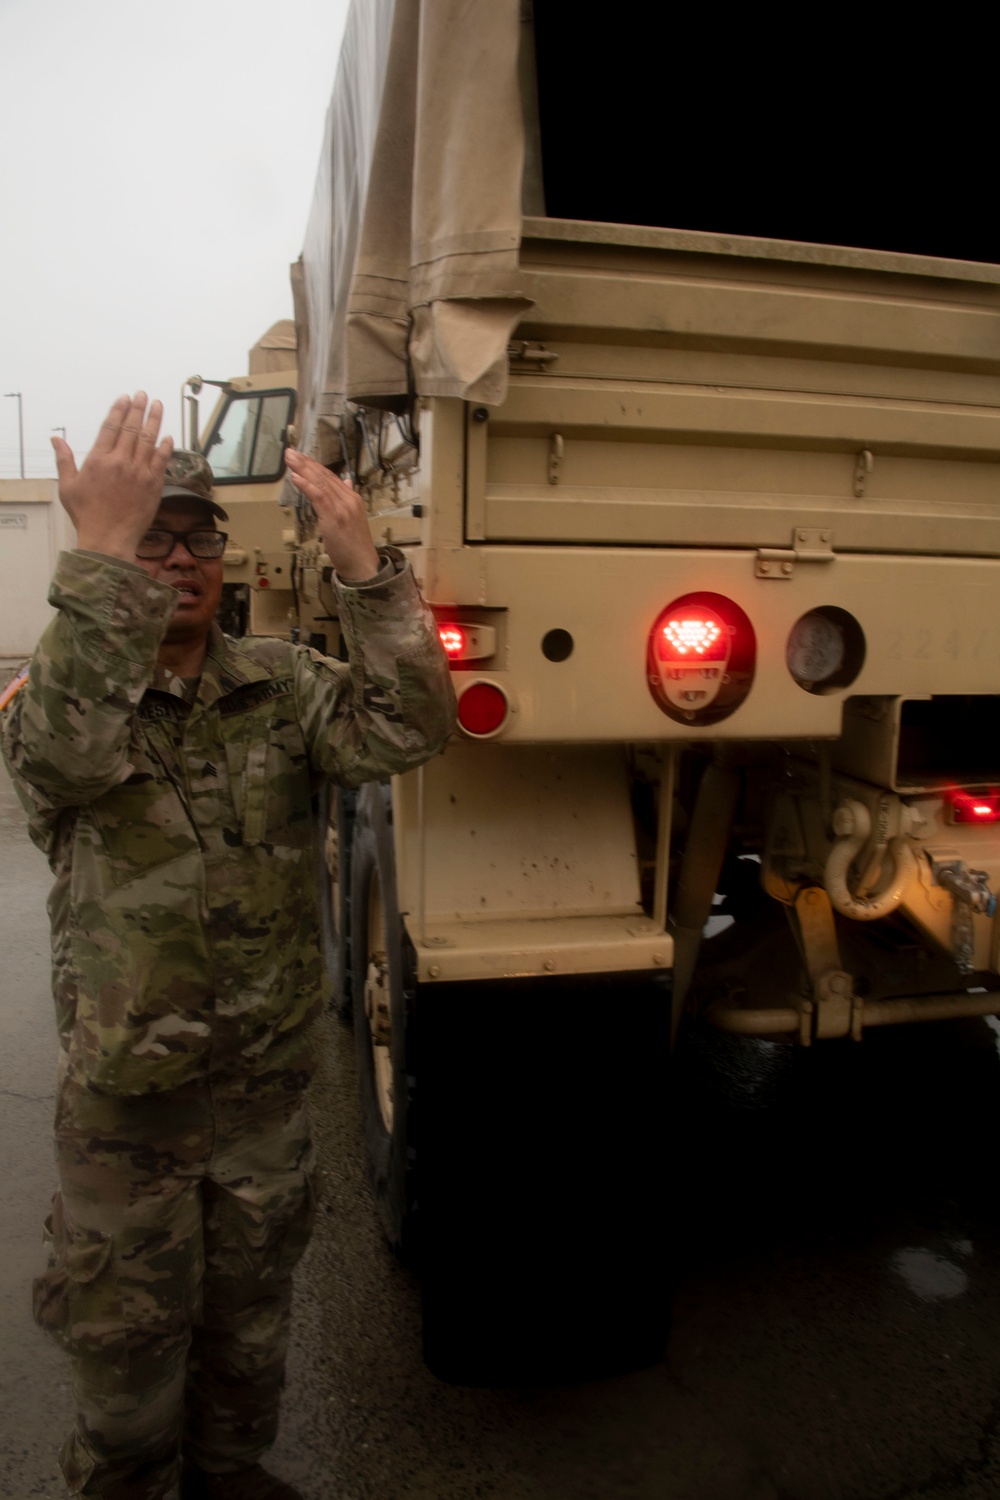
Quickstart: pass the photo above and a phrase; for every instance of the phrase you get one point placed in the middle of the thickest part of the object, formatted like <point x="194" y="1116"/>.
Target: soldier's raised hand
<point x="113" y="497"/>
<point x="343" y="524"/>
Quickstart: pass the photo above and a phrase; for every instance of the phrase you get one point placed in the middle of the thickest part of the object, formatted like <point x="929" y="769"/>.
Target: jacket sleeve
<point x="395" y="706"/>
<point x="66" y="736"/>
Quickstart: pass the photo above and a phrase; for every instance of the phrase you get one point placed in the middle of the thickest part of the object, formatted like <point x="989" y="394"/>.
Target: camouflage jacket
<point x="185" y="909"/>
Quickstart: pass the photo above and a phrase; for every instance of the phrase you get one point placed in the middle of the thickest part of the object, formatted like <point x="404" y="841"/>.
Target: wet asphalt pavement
<point x="836" y="1286"/>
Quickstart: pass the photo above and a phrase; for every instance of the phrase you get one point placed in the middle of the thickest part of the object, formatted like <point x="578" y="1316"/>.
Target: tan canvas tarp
<point x="275" y="350"/>
<point x="408" y="278"/>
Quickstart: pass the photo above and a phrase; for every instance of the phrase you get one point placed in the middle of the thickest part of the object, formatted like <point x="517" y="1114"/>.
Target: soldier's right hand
<point x="113" y="497"/>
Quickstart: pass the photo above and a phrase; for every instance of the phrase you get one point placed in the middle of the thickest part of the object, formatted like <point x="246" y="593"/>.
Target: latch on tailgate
<point x="525" y="352"/>
<point x="810" y="544"/>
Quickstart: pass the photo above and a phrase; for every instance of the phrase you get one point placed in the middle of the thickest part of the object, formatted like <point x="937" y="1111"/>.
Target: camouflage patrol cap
<point x="189" y="477"/>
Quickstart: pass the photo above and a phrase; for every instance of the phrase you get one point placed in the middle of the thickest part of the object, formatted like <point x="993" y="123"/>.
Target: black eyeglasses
<point x="200" y="543"/>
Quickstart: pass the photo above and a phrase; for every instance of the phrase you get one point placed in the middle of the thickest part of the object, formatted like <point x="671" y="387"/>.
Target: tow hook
<point x="971" y="895"/>
<point x="852" y="824"/>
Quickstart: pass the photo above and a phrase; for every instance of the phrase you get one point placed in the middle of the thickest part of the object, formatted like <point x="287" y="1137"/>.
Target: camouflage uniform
<point x="186" y="969"/>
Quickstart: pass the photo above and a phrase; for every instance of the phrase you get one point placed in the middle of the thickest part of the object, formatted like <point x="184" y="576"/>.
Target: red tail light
<point x="975" y="807"/>
<point x="466" y="640"/>
<point x="689" y="636"/>
<point x="452" y="639"/>
<point x="700" y="658"/>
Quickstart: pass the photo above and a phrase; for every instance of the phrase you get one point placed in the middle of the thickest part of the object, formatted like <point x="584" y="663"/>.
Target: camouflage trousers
<point x="172" y="1240"/>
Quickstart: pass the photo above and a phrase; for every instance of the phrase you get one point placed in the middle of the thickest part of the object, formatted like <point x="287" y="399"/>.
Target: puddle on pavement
<point x="931" y="1276"/>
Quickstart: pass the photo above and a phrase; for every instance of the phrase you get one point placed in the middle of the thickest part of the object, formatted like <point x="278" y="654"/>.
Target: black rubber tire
<point x="336" y="804"/>
<point x="390" y="1159"/>
<point x="543" y="1182"/>
<point x="536" y="1115"/>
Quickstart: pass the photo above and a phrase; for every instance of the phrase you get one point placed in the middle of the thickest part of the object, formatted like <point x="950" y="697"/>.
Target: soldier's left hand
<point x="343" y="524"/>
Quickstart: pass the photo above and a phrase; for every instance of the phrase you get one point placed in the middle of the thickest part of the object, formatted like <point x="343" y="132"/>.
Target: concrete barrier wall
<point x="33" y="529"/>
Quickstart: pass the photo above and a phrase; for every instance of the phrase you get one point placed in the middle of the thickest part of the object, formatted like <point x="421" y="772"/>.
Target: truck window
<point x="247" y="443"/>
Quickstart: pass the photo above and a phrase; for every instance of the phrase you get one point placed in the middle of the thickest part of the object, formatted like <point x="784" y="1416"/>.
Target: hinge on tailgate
<point x="523" y="352"/>
<point x="810" y="544"/>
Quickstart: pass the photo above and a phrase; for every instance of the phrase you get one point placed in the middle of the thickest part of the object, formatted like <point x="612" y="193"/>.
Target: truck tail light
<point x="975" y="807"/>
<point x="464" y="640"/>
<point x="700" y="658"/>
<point x="452" y="638"/>
<point x="692" y="635"/>
<point x="483" y="709"/>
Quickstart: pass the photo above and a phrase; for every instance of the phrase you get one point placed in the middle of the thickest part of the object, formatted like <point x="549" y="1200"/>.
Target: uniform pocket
<point x="141" y="824"/>
<point x="277" y="807"/>
<point x="77" y="1301"/>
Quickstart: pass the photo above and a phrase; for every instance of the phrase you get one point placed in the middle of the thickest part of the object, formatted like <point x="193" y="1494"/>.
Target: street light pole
<point x="20" y="424"/>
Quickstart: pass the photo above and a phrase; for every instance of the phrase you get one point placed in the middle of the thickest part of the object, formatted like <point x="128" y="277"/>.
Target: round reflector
<point x="482" y="709"/>
<point x="825" y="649"/>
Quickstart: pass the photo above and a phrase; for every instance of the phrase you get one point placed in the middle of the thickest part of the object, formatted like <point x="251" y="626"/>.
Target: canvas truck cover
<point x="408" y="278"/>
<point x="274" y="350"/>
<point x="783" y="330"/>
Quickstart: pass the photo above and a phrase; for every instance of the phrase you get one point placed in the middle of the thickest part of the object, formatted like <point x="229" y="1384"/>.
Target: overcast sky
<point x="156" y="173"/>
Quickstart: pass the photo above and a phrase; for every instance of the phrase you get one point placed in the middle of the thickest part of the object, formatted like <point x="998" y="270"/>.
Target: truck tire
<point x="381" y="1021"/>
<point x="516" y="1143"/>
<point x="335" y="824"/>
<point x="543" y="1180"/>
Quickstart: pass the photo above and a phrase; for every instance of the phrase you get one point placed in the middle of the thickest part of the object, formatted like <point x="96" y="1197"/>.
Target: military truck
<point x="245" y="440"/>
<point x="678" y="386"/>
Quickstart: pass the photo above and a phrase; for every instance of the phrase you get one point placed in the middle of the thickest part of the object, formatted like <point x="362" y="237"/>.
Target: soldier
<point x="167" y="773"/>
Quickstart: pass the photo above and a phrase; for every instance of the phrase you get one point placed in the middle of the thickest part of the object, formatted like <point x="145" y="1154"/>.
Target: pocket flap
<point x="87" y="1253"/>
<point x="83" y="1252"/>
